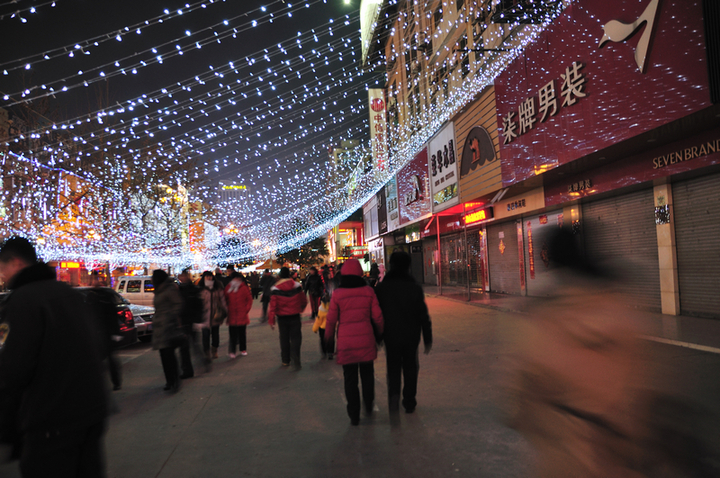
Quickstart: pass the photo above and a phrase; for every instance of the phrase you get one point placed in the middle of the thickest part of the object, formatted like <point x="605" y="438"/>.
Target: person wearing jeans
<point x="287" y="302"/>
<point x="355" y="314"/>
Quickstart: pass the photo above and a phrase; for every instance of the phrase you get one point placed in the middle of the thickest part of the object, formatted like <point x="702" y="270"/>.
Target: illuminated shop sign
<point x="478" y="216"/>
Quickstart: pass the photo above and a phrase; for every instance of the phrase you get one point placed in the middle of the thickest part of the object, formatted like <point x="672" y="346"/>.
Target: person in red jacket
<point x="287" y="301"/>
<point x="239" y="302"/>
<point x="355" y="312"/>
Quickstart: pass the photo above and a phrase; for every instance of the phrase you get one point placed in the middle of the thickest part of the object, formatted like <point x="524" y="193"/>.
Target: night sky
<point x="263" y="123"/>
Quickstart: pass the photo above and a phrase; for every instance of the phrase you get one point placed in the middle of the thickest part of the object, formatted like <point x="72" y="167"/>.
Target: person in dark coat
<point x="374" y="274"/>
<point x="314" y="289"/>
<point x="190" y="320"/>
<point x="266" y="283"/>
<point x="166" y="326"/>
<point x="355" y="313"/>
<point x="255" y="284"/>
<point x="53" y="399"/>
<point x="402" y="301"/>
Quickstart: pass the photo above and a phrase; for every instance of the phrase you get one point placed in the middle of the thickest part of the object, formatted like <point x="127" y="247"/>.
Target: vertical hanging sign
<point x="378" y="127"/>
<point x="443" y="169"/>
<point x="531" y="252"/>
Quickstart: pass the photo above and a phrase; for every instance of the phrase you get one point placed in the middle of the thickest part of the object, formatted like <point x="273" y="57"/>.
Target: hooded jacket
<point x="355" y="312"/>
<point x="50" y="372"/>
<point x="286" y="298"/>
<point x="239" y="302"/>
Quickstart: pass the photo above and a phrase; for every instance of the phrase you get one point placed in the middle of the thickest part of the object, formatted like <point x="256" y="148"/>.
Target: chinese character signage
<point x="378" y="127"/>
<point x="413" y="189"/>
<point x="592" y="80"/>
<point x="392" y="206"/>
<point x="443" y="171"/>
<point x="381" y="200"/>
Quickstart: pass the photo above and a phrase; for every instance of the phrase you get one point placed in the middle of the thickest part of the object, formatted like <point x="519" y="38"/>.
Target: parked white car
<point x="136" y="289"/>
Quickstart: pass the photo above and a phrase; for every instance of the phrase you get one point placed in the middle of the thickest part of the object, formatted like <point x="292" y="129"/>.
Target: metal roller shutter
<point x="504" y="261"/>
<point x="697" y="235"/>
<point x="622" y="230"/>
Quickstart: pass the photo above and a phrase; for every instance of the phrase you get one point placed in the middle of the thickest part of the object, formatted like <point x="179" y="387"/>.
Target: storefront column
<point x="667" y="252"/>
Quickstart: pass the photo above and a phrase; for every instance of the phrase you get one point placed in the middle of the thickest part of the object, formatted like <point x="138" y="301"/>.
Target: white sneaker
<point x="243" y="353"/>
<point x="232" y="356"/>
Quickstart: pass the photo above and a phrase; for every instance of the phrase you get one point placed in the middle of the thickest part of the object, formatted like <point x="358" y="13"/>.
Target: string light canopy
<point x="137" y="180"/>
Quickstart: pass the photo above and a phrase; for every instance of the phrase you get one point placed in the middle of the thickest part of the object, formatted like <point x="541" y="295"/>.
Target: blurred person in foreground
<point x="355" y="314"/>
<point x="402" y="301"/>
<point x="191" y="320"/>
<point x="239" y="302"/>
<point x="580" y="385"/>
<point x="287" y="301"/>
<point x="167" y="327"/>
<point x="53" y="401"/>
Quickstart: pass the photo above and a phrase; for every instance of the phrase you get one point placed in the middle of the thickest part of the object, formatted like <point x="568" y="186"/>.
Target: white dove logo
<point x="617" y="31"/>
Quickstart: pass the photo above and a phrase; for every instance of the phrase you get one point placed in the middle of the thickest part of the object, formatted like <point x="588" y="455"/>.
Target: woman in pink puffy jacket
<point x="355" y="312"/>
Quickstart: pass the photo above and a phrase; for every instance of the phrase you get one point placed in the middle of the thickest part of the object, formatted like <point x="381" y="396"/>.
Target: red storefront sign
<point x="567" y="97"/>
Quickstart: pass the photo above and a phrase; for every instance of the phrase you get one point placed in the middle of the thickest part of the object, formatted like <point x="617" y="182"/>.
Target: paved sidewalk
<point x="692" y="332"/>
<point x="252" y="417"/>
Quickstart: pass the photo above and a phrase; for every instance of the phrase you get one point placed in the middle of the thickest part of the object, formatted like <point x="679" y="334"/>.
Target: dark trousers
<point x="206" y="333"/>
<point x="68" y="453"/>
<point x="290" y="338"/>
<point x="402" y="359"/>
<point x="255" y="292"/>
<point x="238" y="337"/>
<point x="352" y="392"/>
<point x="170" y="365"/>
<point x="323" y="345"/>
<point x="265" y="304"/>
<point x="115" y="369"/>
<point x="314" y="305"/>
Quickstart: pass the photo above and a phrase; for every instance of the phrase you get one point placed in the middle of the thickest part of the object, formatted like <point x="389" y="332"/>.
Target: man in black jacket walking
<point x="51" y="382"/>
<point x="406" y="316"/>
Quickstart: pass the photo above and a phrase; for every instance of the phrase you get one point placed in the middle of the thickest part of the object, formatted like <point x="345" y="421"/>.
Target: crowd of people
<point x="53" y="413"/>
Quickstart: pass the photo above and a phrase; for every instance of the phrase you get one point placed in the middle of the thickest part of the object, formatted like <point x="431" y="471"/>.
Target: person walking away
<point x="214" y="312"/>
<point x="101" y="302"/>
<point x="374" y="274"/>
<point x="191" y="320"/>
<point x="287" y="301"/>
<point x="255" y="284"/>
<point x="239" y="302"/>
<point x="314" y="289"/>
<point x="402" y="301"/>
<point x="355" y="314"/>
<point x="167" y="329"/>
<point x="53" y="399"/>
<point x="319" y="327"/>
<point x="266" y="283"/>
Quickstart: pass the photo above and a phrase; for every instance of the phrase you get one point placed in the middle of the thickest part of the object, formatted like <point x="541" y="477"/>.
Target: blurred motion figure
<point x="53" y="402"/>
<point x="579" y="390"/>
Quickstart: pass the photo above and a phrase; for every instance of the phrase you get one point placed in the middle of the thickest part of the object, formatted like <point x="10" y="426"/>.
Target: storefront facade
<point x="624" y="137"/>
